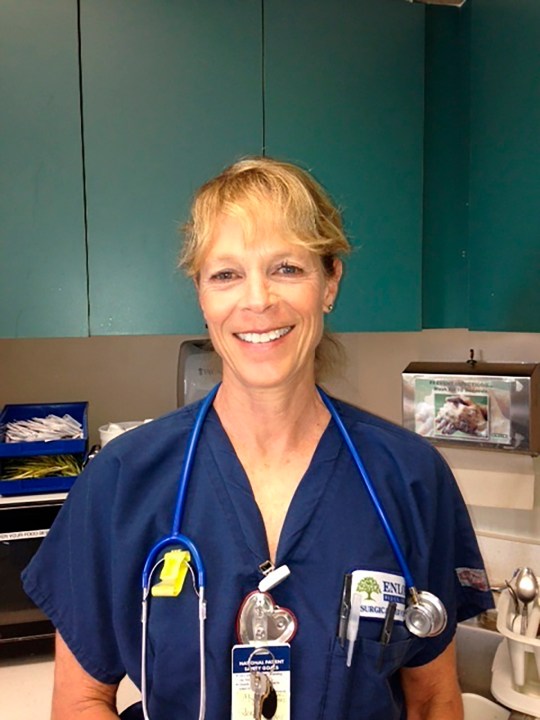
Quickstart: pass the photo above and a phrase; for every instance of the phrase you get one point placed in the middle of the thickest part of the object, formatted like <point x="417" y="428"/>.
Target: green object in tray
<point x="40" y="467"/>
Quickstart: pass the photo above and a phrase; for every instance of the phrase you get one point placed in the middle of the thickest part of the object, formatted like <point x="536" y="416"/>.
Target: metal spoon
<point x="513" y="596"/>
<point x="527" y="591"/>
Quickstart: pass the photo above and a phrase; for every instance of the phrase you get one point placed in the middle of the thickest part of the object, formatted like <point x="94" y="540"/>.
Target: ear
<point x="332" y="283"/>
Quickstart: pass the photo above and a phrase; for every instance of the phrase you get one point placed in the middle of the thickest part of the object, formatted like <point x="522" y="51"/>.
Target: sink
<point x="476" y="707"/>
<point x="476" y="646"/>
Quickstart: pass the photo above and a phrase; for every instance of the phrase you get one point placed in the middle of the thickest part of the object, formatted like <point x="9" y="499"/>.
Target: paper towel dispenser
<point x="476" y="404"/>
<point x="199" y="369"/>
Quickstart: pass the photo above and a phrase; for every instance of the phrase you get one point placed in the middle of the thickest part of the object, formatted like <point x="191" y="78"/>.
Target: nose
<point x="258" y="295"/>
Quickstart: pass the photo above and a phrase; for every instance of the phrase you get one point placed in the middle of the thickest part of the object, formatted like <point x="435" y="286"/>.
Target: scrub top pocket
<point x="365" y="690"/>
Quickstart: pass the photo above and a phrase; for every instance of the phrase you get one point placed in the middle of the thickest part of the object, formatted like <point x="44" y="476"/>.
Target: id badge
<point x="261" y="677"/>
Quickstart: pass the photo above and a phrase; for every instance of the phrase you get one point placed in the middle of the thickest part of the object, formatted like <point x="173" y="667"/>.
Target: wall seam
<point x="83" y="165"/>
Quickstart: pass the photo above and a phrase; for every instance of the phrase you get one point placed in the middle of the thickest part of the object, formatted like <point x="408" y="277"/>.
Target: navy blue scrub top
<point x="87" y="574"/>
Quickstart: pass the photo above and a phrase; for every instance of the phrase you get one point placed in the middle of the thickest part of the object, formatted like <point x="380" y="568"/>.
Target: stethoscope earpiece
<point x="425" y="616"/>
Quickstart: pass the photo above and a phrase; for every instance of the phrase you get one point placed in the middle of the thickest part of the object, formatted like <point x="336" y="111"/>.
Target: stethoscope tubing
<point x="202" y="652"/>
<point x="173" y="540"/>
<point x="177" y="539"/>
<point x="370" y="489"/>
<point x="189" y="459"/>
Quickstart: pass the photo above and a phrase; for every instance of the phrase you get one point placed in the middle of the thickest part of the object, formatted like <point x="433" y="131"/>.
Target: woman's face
<point x="263" y="301"/>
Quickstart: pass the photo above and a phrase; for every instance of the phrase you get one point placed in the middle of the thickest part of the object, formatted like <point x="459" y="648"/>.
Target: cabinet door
<point x="172" y="93"/>
<point x="445" y="285"/>
<point x="505" y="172"/>
<point x="43" y="257"/>
<point x="344" y="98"/>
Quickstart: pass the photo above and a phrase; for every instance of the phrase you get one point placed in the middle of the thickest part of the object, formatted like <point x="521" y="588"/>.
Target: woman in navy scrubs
<point x="272" y="481"/>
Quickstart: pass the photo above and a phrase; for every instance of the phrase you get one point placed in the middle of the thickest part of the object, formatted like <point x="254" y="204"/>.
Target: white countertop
<point x="507" y="524"/>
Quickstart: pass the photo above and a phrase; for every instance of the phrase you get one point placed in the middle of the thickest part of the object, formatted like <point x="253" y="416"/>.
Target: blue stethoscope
<point x="425" y="614"/>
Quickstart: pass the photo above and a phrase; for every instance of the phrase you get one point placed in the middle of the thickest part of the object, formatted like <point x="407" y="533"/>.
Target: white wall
<point x="133" y="378"/>
<point x="373" y="380"/>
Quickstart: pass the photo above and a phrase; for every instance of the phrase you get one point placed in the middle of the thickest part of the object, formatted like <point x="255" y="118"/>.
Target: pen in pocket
<point x="352" y="626"/>
<point x="344" y="609"/>
<point x="386" y="633"/>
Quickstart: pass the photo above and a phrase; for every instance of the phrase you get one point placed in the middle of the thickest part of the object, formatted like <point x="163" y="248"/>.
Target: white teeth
<point x="264" y="337"/>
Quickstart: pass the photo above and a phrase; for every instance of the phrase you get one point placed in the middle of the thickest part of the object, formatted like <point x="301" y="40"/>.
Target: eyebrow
<point x="226" y="259"/>
<point x="222" y="259"/>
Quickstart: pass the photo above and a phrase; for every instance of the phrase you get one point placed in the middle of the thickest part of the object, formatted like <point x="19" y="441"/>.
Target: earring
<point x="329" y="308"/>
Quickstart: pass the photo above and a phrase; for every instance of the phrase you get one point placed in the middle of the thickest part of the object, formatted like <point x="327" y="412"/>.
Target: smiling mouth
<point x="265" y="337"/>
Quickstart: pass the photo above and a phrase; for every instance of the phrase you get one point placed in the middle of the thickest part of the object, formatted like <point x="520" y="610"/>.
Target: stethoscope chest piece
<point x="426" y="617"/>
<point x="261" y="620"/>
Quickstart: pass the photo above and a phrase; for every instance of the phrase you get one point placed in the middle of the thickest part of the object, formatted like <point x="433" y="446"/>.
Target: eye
<point x="223" y="276"/>
<point x="286" y="268"/>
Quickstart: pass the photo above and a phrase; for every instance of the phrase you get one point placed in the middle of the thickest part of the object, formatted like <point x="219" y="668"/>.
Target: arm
<point x="76" y="694"/>
<point x="432" y="691"/>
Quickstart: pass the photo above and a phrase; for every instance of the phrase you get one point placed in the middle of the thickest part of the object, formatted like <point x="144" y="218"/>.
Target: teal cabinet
<point x="344" y="97"/>
<point x="445" y="267"/>
<point x="432" y="159"/>
<point x="504" y="250"/>
<point x="171" y="95"/>
<point x="43" y="280"/>
<point x="482" y="176"/>
<point x="90" y="211"/>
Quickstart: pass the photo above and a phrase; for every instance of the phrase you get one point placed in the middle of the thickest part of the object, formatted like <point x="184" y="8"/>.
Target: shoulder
<point x="388" y="434"/>
<point x="165" y="429"/>
<point x="144" y="457"/>
<point x="390" y="452"/>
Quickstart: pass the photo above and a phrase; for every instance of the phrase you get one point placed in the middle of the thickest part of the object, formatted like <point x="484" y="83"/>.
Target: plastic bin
<point x="78" y="447"/>
<point x="10" y="413"/>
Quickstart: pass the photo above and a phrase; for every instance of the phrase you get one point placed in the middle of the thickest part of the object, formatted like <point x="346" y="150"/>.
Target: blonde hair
<point x="265" y="192"/>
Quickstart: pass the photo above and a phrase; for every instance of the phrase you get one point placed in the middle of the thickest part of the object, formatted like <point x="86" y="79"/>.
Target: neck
<point x="271" y="418"/>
